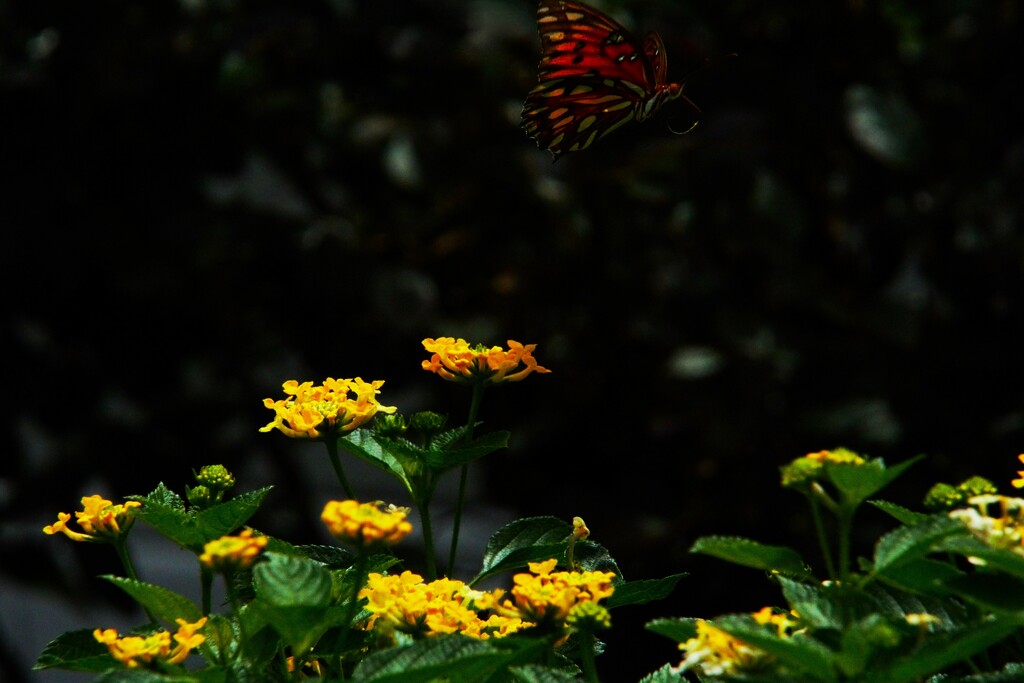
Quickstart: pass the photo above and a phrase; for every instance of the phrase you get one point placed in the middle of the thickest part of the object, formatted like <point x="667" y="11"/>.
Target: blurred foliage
<point x="204" y="198"/>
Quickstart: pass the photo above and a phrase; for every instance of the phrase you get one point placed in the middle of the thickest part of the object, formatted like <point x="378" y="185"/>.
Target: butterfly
<point x="593" y="78"/>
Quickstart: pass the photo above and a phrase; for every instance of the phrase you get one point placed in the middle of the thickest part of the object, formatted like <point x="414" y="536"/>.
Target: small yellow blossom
<point x="1019" y="482"/>
<point x="339" y="405"/>
<point x="716" y="653"/>
<point x="545" y="595"/>
<point x="229" y="553"/>
<point x="405" y="603"/>
<point x="136" y="651"/>
<point x="365" y="523"/>
<point x="1004" y="531"/>
<point x="457" y="361"/>
<point x="100" y="520"/>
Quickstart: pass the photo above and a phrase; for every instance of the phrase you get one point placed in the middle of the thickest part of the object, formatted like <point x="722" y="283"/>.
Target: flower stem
<point x="121" y="547"/>
<point x="206" y="585"/>
<point x="428" y="536"/>
<point x="332" y="450"/>
<point x="587" y="654"/>
<point x="358" y="579"/>
<point x="474" y="409"/>
<point x="819" y="527"/>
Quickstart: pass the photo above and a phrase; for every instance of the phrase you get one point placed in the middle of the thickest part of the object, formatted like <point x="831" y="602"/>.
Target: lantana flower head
<point x="365" y="523"/>
<point x="457" y="361"/>
<point x="100" y="520"/>
<point x="713" y="652"/>
<point x="1003" y="531"/>
<point x="547" y="596"/>
<point x="231" y="553"/>
<point x="405" y="603"/>
<point x="156" y="648"/>
<point x="809" y="467"/>
<point x="336" y="406"/>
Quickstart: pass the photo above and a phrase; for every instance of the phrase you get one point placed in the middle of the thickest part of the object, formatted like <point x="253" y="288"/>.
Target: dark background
<point x="202" y="199"/>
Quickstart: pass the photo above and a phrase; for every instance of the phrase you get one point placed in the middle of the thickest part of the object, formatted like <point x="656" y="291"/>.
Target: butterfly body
<point x="593" y="78"/>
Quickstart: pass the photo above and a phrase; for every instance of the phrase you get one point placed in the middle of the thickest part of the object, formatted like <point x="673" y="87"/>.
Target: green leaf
<point x="985" y="555"/>
<point x="453" y="658"/>
<point x="300" y="626"/>
<point x="994" y="592"/>
<point x="225" y="518"/>
<point x="446" y="459"/>
<point x="663" y="675"/>
<point x="640" y="592"/>
<point x="945" y="649"/>
<point x="535" y="673"/>
<point x="165" y="511"/>
<point x="921" y="575"/>
<point x="750" y="553"/>
<point x="901" y="514"/>
<point x="802" y="655"/>
<point x="530" y="539"/>
<point x="857" y="482"/>
<point x="679" y="629"/>
<point x="76" y="651"/>
<point x="362" y="444"/>
<point x="817" y="606"/>
<point x="284" y="580"/>
<point x="157" y="600"/>
<point x="907" y="543"/>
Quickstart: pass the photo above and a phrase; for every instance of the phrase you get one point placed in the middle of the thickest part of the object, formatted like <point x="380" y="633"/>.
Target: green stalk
<point x="587" y="654"/>
<point x="332" y="450"/>
<point x="359" y="578"/>
<point x="845" y="531"/>
<point x="474" y="409"/>
<point x="121" y="548"/>
<point x="206" y="585"/>
<point x="423" y="505"/>
<point x="819" y="527"/>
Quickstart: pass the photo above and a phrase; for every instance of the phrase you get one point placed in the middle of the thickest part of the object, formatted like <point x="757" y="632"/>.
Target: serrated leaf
<point x="857" y="482"/>
<point x="284" y="580"/>
<point x="804" y="656"/>
<point x="945" y="649"/>
<point x="445" y="459"/>
<point x="978" y="552"/>
<point x="157" y="600"/>
<point x="748" y="553"/>
<point x="810" y="600"/>
<point x="643" y="591"/>
<point x="536" y="673"/>
<point x="453" y="657"/>
<point x="922" y="575"/>
<point x="907" y="543"/>
<point x="165" y="512"/>
<point x="994" y="592"/>
<point x="75" y="651"/>
<point x="900" y="513"/>
<point x="530" y="539"/>
<point x="140" y="675"/>
<point x="679" y="629"/>
<point x="663" y="675"/>
<point x="224" y="518"/>
<point x="362" y="444"/>
<point x="300" y="626"/>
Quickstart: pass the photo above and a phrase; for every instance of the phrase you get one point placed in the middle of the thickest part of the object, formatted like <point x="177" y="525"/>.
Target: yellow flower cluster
<point x="716" y="653"/>
<point x="404" y="603"/>
<point x="548" y="596"/>
<point x="338" y="405"/>
<point x="455" y="360"/>
<point x="136" y="651"/>
<point x="808" y="468"/>
<point x="365" y="523"/>
<point x="230" y="553"/>
<point x="100" y="519"/>
<point x="1003" y="531"/>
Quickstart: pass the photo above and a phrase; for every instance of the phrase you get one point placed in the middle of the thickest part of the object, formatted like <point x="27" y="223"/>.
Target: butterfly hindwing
<point x="593" y="77"/>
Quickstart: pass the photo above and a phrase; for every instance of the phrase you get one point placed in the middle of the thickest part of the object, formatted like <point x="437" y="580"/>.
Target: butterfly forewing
<point x="593" y="77"/>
